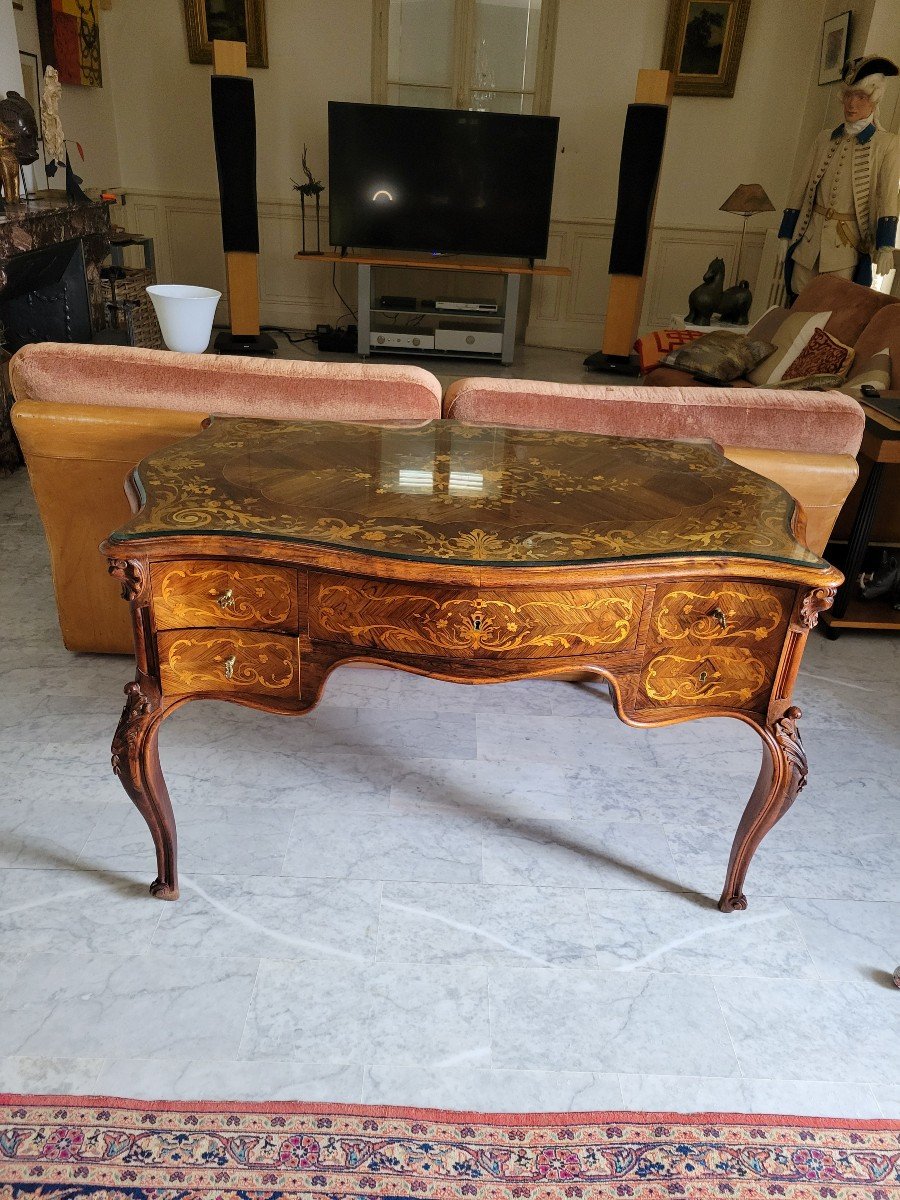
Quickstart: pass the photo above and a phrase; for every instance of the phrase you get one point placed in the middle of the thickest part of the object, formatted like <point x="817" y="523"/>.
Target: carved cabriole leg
<point x="135" y="760"/>
<point x="135" y="753"/>
<point x="784" y="770"/>
<point x="782" y="777"/>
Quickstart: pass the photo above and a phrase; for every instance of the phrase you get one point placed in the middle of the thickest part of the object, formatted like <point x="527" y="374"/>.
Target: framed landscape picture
<point x="835" y="35"/>
<point x="230" y="21"/>
<point x="703" y="44"/>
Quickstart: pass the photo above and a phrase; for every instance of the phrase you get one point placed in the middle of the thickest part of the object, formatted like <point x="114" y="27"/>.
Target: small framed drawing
<point x="703" y="44"/>
<point x="31" y="84"/>
<point x="835" y="35"/>
<point x="231" y="21"/>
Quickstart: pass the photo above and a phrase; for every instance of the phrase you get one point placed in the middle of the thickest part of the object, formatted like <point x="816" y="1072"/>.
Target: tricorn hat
<point x="857" y="69"/>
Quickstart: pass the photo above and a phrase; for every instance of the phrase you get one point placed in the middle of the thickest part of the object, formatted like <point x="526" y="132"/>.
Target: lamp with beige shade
<point x="746" y="199"/>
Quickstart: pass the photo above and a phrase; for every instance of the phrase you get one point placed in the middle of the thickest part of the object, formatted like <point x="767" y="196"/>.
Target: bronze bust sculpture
<point x="18" y="117"/>
<point x="9" y="167"/>
<point x="18" y="142"/>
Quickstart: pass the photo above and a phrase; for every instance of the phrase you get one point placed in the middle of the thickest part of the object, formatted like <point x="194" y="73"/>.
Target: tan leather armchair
<point x="804" y="441"/>
<point x="85" y="415"/>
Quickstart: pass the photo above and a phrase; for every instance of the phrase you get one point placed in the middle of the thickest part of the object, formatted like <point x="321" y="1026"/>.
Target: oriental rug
<point x="99" y="1148"/>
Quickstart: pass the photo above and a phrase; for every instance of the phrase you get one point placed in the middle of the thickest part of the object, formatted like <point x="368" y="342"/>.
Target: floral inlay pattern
<point x="444" y="492"/>
<point x="528" y="624"/>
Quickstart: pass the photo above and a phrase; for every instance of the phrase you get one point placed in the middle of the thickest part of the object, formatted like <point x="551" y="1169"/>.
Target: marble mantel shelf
<point x="47" y="219"/>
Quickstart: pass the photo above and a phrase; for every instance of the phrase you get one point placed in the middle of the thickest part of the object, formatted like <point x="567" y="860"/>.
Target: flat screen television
<point x="447" y="181"/>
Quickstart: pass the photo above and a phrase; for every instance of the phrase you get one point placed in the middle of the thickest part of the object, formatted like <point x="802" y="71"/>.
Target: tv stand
<point x="501" y="323"/>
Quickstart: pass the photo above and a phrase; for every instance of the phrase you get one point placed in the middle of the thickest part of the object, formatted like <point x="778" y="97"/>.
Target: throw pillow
<point x="811" y="383"/>
<point x="789" y="331"/>
<point x="653" y="347"/>
<point x="768" y="324"/>
<point x="822" y="355"/>
<point x="721" y="355"/>
<point x="876" y="370"/>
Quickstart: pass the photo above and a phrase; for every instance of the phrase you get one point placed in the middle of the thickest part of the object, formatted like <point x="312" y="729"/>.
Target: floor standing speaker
<point x="639" y="168"/>
<point x="234" y="134"/>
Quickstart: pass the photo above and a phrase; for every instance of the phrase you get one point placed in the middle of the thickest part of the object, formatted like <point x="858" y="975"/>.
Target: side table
<point x="881" y="445"/>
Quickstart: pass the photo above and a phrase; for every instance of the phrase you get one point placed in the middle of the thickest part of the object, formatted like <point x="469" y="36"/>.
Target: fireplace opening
<point x="46" y="297"/>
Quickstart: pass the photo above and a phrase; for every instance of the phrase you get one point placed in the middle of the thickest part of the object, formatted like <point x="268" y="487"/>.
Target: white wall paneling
<point x="187" y="237"/>
<point x="563" y="312"/>
<point x="568" y="312"/>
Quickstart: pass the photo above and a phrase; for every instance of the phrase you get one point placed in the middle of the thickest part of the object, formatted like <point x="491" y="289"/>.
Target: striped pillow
<point x="876" y="370"/>
<point x="790" y="332"/>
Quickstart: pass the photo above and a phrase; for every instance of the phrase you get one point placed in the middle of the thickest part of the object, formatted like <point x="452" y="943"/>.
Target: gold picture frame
<point x="703" y="43"/>
<point x="230" y="20"/>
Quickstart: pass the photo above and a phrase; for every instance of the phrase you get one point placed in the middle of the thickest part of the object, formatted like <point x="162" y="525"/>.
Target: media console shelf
<point x="468" y="324"/>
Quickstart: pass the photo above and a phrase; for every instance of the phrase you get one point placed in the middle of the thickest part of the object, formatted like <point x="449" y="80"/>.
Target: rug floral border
<point x="117" y="1147"/>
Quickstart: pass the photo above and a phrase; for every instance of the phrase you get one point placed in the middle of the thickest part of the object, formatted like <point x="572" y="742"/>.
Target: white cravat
<point x="852" y="128"/>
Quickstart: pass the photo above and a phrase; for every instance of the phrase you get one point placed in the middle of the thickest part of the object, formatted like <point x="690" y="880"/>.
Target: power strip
<point x="336" y="341"/>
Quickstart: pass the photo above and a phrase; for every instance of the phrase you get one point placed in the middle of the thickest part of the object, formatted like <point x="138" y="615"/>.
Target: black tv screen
<point x="442" y="180"/>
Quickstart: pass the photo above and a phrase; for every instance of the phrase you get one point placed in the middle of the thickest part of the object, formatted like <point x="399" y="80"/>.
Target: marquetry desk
<point x="262" y="554"/>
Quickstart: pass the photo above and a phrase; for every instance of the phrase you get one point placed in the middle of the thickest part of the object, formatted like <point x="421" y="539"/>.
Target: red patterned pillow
<point x="653" y="347"/>
<point x="822" y="355"/>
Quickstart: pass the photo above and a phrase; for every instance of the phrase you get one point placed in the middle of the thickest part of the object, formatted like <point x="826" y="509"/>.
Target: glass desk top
<point x="462" y="494"/>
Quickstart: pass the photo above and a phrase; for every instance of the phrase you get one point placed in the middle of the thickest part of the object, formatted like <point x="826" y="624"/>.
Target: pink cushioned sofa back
<point x="810" y="422"/>
<point x="234" y="386"/>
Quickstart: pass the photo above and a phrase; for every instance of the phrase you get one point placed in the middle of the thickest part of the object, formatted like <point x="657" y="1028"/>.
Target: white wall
<point x="152" y="131"/>
<point x="87" y="113"/>
<point x="317" y="52"/>
<point x="10" y="72"/>
<point x="713" y="144"/>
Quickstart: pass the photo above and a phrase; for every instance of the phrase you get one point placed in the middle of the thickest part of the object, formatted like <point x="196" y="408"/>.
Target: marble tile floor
<point x="490" y="898"/>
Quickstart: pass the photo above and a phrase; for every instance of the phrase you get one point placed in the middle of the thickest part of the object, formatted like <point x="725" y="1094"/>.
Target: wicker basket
<point x="119" y="284"/>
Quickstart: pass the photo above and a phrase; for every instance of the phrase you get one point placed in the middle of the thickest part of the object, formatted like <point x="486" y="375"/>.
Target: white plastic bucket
<point x="185" y="314"/>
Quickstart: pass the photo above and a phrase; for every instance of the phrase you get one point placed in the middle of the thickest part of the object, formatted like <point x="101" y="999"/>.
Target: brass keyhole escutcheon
<point x="229" y="666"/>
<point x="719" y="617"/>
<point x="226" y="600"/>
<point x="476" y="622"/>
<point x="703" y="677"/>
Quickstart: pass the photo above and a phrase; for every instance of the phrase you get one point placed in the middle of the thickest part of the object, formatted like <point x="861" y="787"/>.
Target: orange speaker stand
<point x="241" y="269"/>
<point x="626" y="292"/>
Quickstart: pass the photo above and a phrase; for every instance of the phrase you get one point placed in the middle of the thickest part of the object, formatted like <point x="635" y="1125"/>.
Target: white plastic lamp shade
<point x="185" y="314"/>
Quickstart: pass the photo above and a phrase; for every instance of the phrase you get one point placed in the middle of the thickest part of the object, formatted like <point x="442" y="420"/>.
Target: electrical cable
<point x="294" y="341"/>
<point x="337" y="290"/>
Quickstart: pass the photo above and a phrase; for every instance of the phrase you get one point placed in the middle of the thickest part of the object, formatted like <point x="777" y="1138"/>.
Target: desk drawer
<point x="704" y="613"/>
<point x="234" y="595"/>
<point x="205" y="660"/>
<point x="713" y="644"/>
<point x="473" y="623"/>
<point x="720" y="677"/>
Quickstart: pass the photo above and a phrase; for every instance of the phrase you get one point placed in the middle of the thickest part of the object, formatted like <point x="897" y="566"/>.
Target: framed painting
<point x="703" y="44"/>
<point x="69" y="33"/>
<point x="230" y="21"/>
<point x="31" y="84"/>
<point x="833" y="53"/>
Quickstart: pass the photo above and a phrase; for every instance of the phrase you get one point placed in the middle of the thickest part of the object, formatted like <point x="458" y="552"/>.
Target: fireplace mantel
<point x="47" y="219"/>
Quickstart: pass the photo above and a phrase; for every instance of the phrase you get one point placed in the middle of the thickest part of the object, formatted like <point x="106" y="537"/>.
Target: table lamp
<point x="746" y="199"/>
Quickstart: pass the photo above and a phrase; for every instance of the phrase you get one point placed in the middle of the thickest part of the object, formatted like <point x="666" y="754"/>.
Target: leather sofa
<point x="870" y="322"/>
<point x="751" y="425"/>
<point x="86" y="414"/>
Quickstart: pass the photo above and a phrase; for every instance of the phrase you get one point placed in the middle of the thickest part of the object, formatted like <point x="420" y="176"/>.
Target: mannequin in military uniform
<point x="842" y="218"/>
